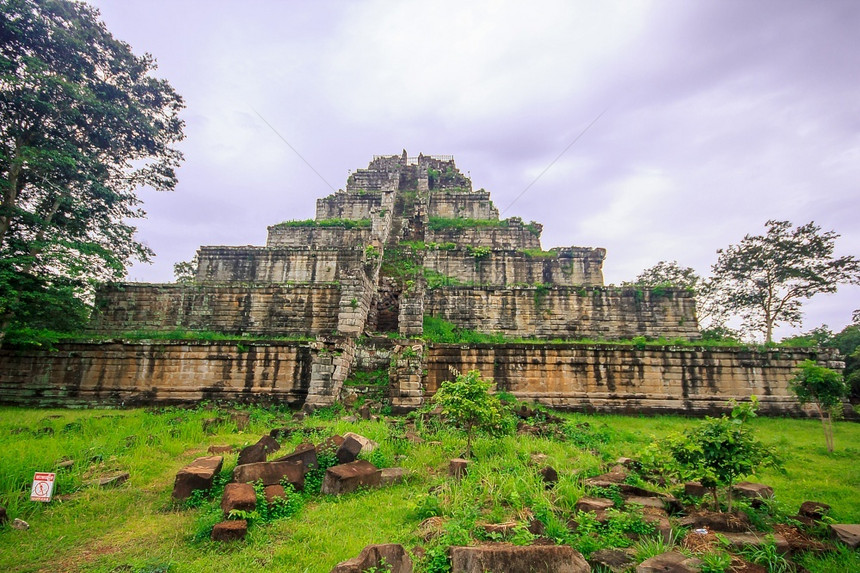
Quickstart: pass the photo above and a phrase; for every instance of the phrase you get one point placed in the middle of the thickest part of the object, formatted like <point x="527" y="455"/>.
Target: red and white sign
<point x="43" y="486"/>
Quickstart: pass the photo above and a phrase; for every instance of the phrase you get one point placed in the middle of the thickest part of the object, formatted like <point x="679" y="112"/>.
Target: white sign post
<point x="43" y="486"/>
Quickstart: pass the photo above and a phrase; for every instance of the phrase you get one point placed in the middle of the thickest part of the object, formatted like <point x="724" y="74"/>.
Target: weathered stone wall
<point x="512" y="237"/>
<point x="603" y="313"/>
<point x="582" y="267"/>
<point x="348" y="205"/>
<point x="258" y="310"/>
<point x="472" y="205"/>
<point x="624" y="379"/>
<point x="317" y="237"/>
<point x="265" y="265"/>
<point x="118" y="373"/>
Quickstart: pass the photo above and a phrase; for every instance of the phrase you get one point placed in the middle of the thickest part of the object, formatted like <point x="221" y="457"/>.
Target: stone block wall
<point x="624" y="379"/>
<point x="301" y="310"/>
<point x="317" y="237"/>
<point x="601" y="313"/>
<point x="507" y="268"/>
<point x="471" y="205"/>
<point x="126" y="373"/>
<point x="511" y="237"/>
<point x="348" y="205"/>
<point x="265" y="265"/>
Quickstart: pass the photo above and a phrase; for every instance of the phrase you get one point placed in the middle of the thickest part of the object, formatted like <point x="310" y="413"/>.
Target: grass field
<point x="135" y="527"/>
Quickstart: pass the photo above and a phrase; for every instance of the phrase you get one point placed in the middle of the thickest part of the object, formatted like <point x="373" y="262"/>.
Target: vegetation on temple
<point x="83" y="124"/>
<point x="323" y="223"/>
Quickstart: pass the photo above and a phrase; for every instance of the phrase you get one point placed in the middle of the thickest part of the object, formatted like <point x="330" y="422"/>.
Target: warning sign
<point x="43" y="486"/>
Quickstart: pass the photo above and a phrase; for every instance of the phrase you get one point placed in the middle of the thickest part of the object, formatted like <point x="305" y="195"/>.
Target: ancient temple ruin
<point x="408" y="240"/>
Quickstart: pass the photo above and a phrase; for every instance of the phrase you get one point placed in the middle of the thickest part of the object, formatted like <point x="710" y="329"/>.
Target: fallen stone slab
<point x="549" y="476"/>
<point x="199" y="474"/>
<point x="220" y="449"/>
<point x="518" y="559"/>
<point x="273" y="492"/>
<point x="847" y="533"/>
<point x="654" y="502"/>
<point x="241" y="419"/>
<point x="281" y="433"/>
<point x="499" y="528"/>
<point x="392" y="476"/>
<point x="4" y="517"/>
<point x="253" y="454"/>
<point x="661" y="523"/>
<point x="305" y="453"/>
<point x="458" y="467"/>
<point x="390" y="557"/>
<point x="615" y="560"/>
<point x="331" y="444"/>
<point x="695" y="489"/>
<point x="271" y="473"/>
<point x="670" y="562"/>
<point x="348" y="450"/>
<point x="65" y="464"/>
<point x="813" y="509"/>
<point x="270" y="443"/>
<point x="738" y="541"/>
<point x="230" y="530"/>
<point x="367" y="445"/>
<point x="414" y="438"/>
<point x="19" y="524"/>
<point x="716" y="521"/>
<point x="346" y="478"/>
<point x="593" y="504"/>
<point x="239" y="496"/>
<point x="753" y="490"/>
<point x="108" y="481"/>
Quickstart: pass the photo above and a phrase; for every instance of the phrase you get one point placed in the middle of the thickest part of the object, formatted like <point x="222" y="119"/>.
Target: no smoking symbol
<point x="41" y="488"/>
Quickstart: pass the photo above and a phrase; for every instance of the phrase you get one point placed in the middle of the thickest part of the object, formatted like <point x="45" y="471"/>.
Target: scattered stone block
<point x="389" y="557"/>
<point x="270" y="443"/>
<point x="305" y="453"/>
<point x="414" y="438"/>
<point x="392" y="476"/>
<point x="616" y="476"/>
<point x="348" y="450"/>
<point x="593" y="504"/>
<point x="739" y="541"/>
<point x="271" y="473"/>
<point x="670" y="562"/>
<point x="199" y="474"/>
<point x="458" y="467"/>
<point x="716" y="521"/>
<point x="813" y="509"/>
<point x="4" y="517"/>
<point x="330" y="444"/>
<point x="536" y="527"/>
<point x="281" y="433"/>
<point x="753" y="490"/>
<point x="241" y="419"/>
<point x="367" y="445"/>
<point x="273" y="492"/>
<point x="220" y="449"/>
<point x="549" y="476"/>
<point x="499" y="528"/>
<point x="695" y="489"/>
<point x="626" y="462"/>
<point x="539" y="459"/>
<point x="210" y="425"/>
<point x="109" y="481"/>
<point x="252" y="454"/>
<point x="346" y="478"/>
<point x="660" y="521"/>
<point x="239" y="496"/>
<point x="19" y="524"/>
<point x="615" y="560"/>
<point x="518" y="559"/>
<point x="654" y="502"/>
<point x="231" y="530"/>
<point x="65" y="464"/>
<point x="847" y="533"/>
<point x="364" y="412"/>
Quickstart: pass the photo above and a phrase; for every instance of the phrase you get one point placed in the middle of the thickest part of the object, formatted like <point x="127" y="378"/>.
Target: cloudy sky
<point x="716" y="116"/>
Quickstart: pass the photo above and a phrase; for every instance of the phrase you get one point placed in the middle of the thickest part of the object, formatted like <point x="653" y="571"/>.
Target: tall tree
<point x="667" y="274"/>
<point x="765" y="278"/>
<point x="83" y="124"/>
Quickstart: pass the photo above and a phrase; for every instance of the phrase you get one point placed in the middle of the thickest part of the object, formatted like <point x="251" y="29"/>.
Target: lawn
<point x="136" y="527"/>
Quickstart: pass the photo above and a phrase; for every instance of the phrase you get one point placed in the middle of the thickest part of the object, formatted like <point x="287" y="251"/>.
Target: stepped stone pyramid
<point x="408" y="238"/>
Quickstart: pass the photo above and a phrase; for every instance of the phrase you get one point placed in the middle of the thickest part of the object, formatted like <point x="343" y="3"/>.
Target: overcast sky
<point x="719" y="115"/>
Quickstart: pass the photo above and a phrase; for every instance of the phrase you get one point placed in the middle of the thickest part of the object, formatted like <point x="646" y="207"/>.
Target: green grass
<point x="136" y="527"/>
<point x="339" y="223"/>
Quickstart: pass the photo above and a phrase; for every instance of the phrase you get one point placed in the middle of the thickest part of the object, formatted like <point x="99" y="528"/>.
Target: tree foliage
<point x="667" y="274"/>
<point x="467" y="402"/>
<point x="719" y="451"/>
<point x="82" y="125"/>
<point x="823" y="387"/>
<point x="764" y="279"/>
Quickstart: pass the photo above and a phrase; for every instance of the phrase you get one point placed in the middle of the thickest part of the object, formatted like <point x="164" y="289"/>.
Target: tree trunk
<point x="729" y="495"/>
<point x="716" y="500"/>
<point x="768" y="338"/>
